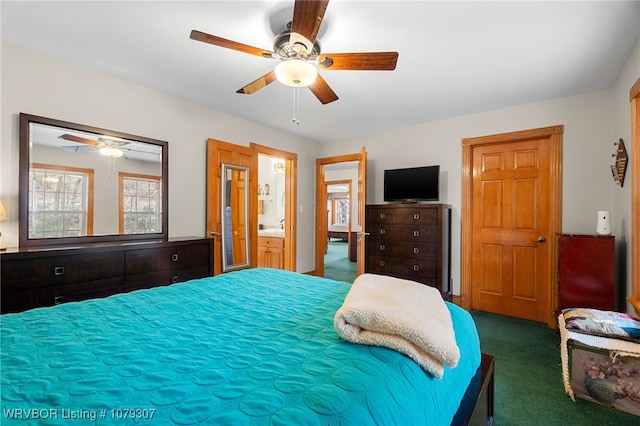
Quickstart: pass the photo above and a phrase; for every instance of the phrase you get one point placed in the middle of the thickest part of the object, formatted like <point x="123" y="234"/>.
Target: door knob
<point x="541" y="239"/>
<point x="215" y="233"/>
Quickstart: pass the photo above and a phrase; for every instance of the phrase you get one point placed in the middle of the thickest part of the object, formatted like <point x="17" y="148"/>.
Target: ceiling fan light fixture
<point x="296" y="73"/>
<point x="108" y="151"/>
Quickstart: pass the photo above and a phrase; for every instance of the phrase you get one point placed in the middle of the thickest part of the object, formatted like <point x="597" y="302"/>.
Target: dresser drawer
<point x="403" y="215"/>
<point x="179" y="262"/>
<point x="59" y="270"/>
<point x="403" y="232"/>
<point x="79" y="291"/>
<point x="150" y="279"/>
<point x="414" y="250"/>
<point x="192" y="272"/>
<point x="34" y="297"/>
<point x="387" y="265"/>
<point x="271" y="242"/>
<point x="194" y="254"/>
<point x="148" y="260"/>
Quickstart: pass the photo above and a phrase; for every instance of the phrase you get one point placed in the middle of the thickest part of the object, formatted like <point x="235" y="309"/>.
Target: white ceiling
<point x="455" y="58"/>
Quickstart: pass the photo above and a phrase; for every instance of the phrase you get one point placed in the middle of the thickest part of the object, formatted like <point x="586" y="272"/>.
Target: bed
<point x="255" y="346"/>
<point x="340" y="231"/>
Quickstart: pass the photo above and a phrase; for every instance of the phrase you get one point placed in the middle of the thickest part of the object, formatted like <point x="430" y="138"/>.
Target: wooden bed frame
<point x="343" y="235"/>
<point x="476" y="407"/>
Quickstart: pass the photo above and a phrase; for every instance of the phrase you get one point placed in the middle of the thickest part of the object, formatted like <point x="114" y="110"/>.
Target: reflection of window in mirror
<point x="140" y="203"/>
<point x="341" y="210"/>
<point x="60" y="201"/>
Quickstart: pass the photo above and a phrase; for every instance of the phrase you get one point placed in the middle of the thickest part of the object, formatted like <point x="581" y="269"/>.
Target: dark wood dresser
<point x="48" y="276"/>
<point x="410" y="241"/>
<point x="586" y="271"/>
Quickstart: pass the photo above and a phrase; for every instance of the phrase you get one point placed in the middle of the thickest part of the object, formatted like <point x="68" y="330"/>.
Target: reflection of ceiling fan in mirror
<point x="107" y="146"/>
<point x="298" y="51"/>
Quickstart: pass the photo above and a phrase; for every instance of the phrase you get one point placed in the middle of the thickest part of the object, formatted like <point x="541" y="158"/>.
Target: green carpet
<point x="528" y="377"/>
<point x="337" y="265"/>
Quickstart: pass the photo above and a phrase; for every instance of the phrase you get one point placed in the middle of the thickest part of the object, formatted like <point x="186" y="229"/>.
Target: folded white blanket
<point x="403" y="315"/>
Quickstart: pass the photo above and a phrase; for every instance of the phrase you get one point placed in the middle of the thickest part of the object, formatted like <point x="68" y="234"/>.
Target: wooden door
<point x="510" y="218"/>
<point x="219" y="152"/>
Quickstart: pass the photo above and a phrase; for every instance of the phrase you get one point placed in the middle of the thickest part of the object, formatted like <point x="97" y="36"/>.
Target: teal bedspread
<point x="248" y="347"/>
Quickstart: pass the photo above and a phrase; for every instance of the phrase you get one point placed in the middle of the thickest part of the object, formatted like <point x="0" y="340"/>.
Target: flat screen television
<point x="412" y="184"/>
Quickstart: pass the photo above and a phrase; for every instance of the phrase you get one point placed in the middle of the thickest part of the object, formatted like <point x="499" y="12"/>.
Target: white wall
<point x="37" y="84"/>
<point x="588" y="135"/>
<point x="273" y="203"/>
<point x="40" y="85"/>
<point x="621" y="213"/>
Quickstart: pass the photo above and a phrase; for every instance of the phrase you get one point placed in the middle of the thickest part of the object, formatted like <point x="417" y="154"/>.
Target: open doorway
<point x="340" y="258"/>
<point x="326" y="171"/>
<point x="276" y="218"/>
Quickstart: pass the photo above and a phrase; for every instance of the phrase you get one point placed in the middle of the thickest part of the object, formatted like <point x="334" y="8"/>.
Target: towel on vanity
<point x="403" y="315"/>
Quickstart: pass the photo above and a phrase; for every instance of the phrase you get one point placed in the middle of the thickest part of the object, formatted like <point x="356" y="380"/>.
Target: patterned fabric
<point x="602" y="323"/>
<point x="248" y="347"/>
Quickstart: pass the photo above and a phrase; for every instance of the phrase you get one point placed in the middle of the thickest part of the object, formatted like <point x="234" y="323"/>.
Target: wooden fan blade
<point x="307" y="17"/>
<point x="258" y="84"/>
<point x="371" y="61"/>
<point x="78" y="139"/>
<point x="323" y="92"/>
<point x="229" y="44"/>
<point x="77" y="148"/>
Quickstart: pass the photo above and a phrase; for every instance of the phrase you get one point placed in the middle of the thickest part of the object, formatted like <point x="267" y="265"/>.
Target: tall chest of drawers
<point x="410" y="241"/>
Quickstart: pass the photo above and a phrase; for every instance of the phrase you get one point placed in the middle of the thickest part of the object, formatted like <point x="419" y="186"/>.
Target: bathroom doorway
<point x="276" y="221"/>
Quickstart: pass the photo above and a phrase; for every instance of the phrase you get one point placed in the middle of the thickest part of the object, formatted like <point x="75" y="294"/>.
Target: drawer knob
<point x="416" y="268"/>
<point x="382" y="215"/>
<point x="382" y="247"/>
<point x="416" y="216"/>
<point x="174" y="257"/>
<point x="382" y="232"/>
<point x="58" y="270"/>
<point x="382" y="263"/>
<point x="58" y="300"/>
<point x="174" y="279"/>
<point x="416" y="250"/>
<point x="416" y="233"/>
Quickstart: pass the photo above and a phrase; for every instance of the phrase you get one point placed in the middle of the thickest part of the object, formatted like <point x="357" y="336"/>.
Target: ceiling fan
<point x="298" y="51"/>
<point x="107" y="146"/>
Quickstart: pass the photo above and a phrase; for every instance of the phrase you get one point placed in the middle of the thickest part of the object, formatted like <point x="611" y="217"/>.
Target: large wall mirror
<point x="235" y="203"/>
<point x="82" y="184"/>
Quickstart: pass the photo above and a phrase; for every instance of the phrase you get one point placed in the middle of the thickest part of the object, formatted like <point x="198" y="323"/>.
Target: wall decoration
<point x="620" y="167"/>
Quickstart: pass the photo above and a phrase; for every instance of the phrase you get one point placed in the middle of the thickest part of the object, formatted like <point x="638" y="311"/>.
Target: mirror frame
<point x="226" y="267"/>
<point x="23" y="200"/>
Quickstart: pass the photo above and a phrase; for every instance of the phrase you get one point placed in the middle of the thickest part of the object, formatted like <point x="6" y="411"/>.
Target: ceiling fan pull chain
<point x="111" y="166"/>
<point x="296" y="106"/>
